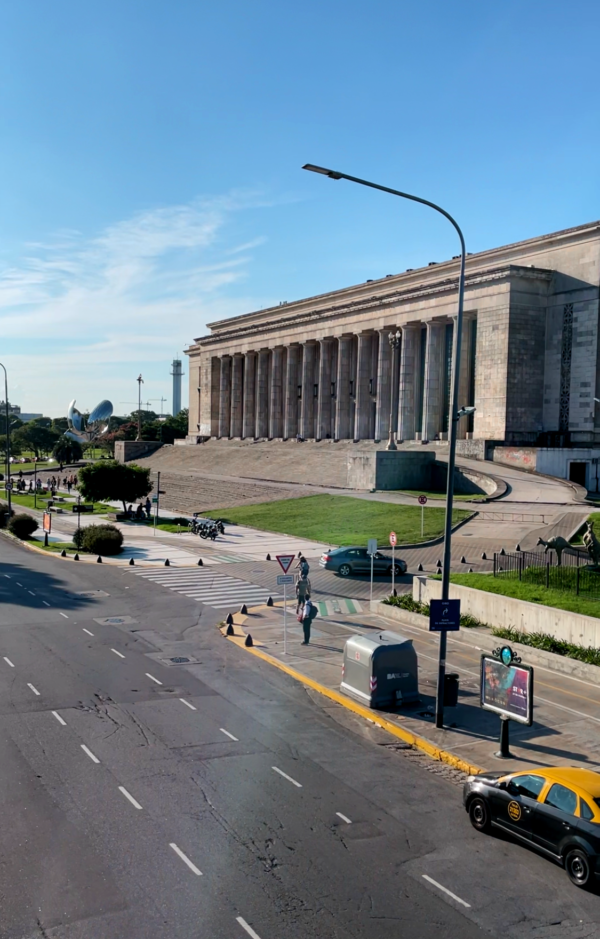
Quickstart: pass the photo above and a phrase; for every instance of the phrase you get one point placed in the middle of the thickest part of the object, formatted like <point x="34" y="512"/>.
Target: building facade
<point x="323" y="367"/>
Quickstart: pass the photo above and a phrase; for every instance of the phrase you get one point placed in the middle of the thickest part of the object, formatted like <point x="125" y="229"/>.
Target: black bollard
<point x="244" y="609"/>
<point x="167" y="562"/>
<point x="63" y="553"/>
<point x="438" y="563"/>
<point x="463" y="560"/>
<point x="230" y="630"/>
<point x="131" y="562"/>
<point x="75" y="557"/>
<point x="200" y="562"/>
<point x="229" y="619"/>
<point x="270" y="601"/>
<point x="517" y="547"/>
<point x="268" y="557"/>
<point x="484" y="556"/>
<point x="98" y="560"/>
<point x="420" y="567"/>
<point x="248" y="641"/>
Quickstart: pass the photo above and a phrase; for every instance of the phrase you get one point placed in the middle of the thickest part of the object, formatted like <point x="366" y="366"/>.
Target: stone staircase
<point x="188" y="493"/>
<point x="311" y="463"/>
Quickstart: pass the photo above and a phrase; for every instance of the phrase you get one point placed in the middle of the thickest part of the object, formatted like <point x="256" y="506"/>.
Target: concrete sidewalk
<point x="566" y="728"/>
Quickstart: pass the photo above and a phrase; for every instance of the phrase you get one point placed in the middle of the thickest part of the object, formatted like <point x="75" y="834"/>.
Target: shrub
<point x="5" y="515"/>
<point x="406" y="602"/>
<point x="22" y="525"/>
<point x="101" y="539"/>
<point x="179" y="520"/>
<point x="78" y="538"/>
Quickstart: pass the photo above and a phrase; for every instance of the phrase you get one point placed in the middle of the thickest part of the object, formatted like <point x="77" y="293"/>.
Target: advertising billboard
<point x="507" y="689"/>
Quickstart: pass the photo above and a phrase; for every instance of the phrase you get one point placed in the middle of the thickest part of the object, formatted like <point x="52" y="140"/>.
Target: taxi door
<point x="513" y="808"/>
<point x="555" y="818"/>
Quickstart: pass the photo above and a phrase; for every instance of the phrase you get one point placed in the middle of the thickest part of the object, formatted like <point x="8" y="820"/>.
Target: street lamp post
<point x="140" y="382"/>
<point x="454" y="415"/>
<point x="7" y="483"/>
<point x="394" y="340"/>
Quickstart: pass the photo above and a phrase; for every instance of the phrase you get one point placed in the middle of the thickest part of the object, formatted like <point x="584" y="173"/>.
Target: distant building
<point x="177" y="374"/>
<point x="16" y="411"/>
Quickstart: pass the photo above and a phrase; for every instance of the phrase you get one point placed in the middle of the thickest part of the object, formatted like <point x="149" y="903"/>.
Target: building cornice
<point x="380" y="303"/>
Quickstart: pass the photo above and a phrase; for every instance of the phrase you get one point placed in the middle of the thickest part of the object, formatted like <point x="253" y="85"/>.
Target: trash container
<point x="380" y="670"/>
<point x="451" y="690"/>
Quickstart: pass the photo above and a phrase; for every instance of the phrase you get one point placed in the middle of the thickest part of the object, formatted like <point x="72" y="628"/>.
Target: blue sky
<point x="150" y="156"/>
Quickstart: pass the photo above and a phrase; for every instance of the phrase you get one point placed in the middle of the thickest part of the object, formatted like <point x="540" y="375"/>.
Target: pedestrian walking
<point x="148" y="507"/>
<point x="302" y="592"/>
<point x="303" y="565"/>
<point x="308" y="614"/>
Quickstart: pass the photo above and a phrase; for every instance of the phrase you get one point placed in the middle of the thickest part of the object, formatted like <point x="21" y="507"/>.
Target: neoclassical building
<point x="322" y="367"/>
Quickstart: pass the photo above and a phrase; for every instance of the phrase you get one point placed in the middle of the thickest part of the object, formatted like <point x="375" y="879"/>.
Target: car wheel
<point x="578" y="868"/>
<point x="479" y="813"/>
<point x="397" y="570"/>
<point x="344" y="570"/>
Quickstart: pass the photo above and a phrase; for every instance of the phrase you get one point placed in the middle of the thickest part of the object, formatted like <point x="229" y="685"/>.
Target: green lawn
<point x="54" y="546"/>
<point x="28" y="502"/>
<point x="533" y="593"/>
<point x="442" y="495"/>
<point x="340" y="520"/>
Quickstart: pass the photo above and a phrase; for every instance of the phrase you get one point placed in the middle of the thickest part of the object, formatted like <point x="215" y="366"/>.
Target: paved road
<point x="145" y="799"/>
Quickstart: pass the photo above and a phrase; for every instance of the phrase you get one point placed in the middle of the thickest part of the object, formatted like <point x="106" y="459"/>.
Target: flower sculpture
<point x="84" y="431"/>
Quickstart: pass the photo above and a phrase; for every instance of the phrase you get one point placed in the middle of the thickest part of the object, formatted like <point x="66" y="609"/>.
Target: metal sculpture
<point x="84" y="431"/>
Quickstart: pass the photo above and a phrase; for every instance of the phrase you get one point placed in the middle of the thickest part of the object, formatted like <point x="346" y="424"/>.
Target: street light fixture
<point x="455" y="417"/>
<point x="140" y="382"/>
<point x="8" y="482"/>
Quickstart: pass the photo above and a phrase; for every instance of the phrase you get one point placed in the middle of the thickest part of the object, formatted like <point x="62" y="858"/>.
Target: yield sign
<point x="285" y="561"/>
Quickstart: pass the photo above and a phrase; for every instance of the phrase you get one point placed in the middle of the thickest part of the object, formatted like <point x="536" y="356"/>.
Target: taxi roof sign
<point x="285" y="561"/>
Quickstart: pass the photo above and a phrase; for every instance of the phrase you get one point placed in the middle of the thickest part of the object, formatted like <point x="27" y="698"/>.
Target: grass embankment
<point x="476" y="497"/>
<point x="340" y="520"/>
<point x="532" y="593"/>
<point x="54" y="546"/>
<point x="27" y="501"/>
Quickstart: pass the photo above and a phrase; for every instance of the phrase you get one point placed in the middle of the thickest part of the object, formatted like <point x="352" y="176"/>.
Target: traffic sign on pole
<point x="422" y="500"/>
<point x="285" y="561"/>
<point x="393" y="539"/>
<point x="283" y="579"/>
<point x="372" y="546"/>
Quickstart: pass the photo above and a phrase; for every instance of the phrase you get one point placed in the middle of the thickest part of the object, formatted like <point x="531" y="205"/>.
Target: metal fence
<point x="535" y="567"/>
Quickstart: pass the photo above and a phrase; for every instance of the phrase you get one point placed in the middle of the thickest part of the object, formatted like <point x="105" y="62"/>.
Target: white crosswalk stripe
<point x="206" y="586"/>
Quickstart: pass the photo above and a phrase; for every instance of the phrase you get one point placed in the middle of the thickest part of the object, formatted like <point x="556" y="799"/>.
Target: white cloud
<point x="135" y="294"/>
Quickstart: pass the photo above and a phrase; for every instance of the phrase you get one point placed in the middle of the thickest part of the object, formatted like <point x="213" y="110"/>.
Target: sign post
<point x="393" y="540"/>
<point x="422" y="503"/>
<point x="157" y="498"/>
<point x="285" y="562"/>
<point x="372" y="551"/>
<point x="506" y="687"/>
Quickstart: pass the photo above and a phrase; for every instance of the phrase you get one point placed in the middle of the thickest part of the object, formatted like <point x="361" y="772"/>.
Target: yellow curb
<point x="406" y="735"/>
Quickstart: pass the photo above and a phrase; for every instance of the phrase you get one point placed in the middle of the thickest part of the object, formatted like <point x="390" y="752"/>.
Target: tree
<point x="112" y="481"/>
<point x="15" y="447"/>
<point x="67" y="451"/>
<point x="60" y="425"/>
<point x="175" y="428"/>
<point x="35" y="436"/>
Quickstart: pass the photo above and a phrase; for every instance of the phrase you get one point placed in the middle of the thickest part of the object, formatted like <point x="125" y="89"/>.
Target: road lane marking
<point x="63" y="614"/>
<point x="248" y="928"/>
<point x="445" y="890"/>
<point x="187" y="704"/>
<point x="344" y="818"/>
<point x="148" y="675"/>
<point x="45" y="602"/>
<point x="18" y="584"/>
<point x="31" y="592"/>
<point x="87" y="631"/>
<point x="8" y="577"/>
<point x="89" y="753"/>
<point x="35" y="691"/>
<point x="227" y="734"/>
<point x="59" y="719"/>
<point x="130" y="797"/>
<point x="285" y="776"/>
<point x="120" y="654"/>
<point x="185" y="859"/>
<point x="8" y="662"/>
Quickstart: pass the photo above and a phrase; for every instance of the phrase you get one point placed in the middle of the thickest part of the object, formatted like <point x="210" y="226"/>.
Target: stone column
<point x="464" y="376"/>
<point x="225" y="396"/>
<point x="363" y="397"/>
<point x="384" y="366"/>
<point x="324" y="401"/>
<point x="262" y="394"/>
<point x="290" y="423"/>
<point x="409" y="362"/>
<point x="276" y="394"/>
<point x="433" y="387"/>
<point x="235" y="429"/>
<point x="342" y="388"/>
<point x="249" y="418"/>
<point x="307" y="422"/>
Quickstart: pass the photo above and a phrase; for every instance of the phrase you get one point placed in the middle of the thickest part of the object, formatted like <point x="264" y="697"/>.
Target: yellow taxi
<point x="555" y="810"/>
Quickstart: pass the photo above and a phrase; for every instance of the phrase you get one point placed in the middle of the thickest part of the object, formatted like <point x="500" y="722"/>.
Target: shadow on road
<point x="22" y="586"/>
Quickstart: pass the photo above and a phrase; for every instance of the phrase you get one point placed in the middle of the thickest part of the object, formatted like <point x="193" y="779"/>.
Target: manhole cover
<point x="428" y="715"/>
<point x="179" y="659"/>
<point x="115" y="621"/>
<point x="89" y="593"/>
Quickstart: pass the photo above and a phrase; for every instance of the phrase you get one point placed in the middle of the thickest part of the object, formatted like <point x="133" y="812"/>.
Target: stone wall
<point x="497" y="610"/>
<point x="127" y="450"/>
